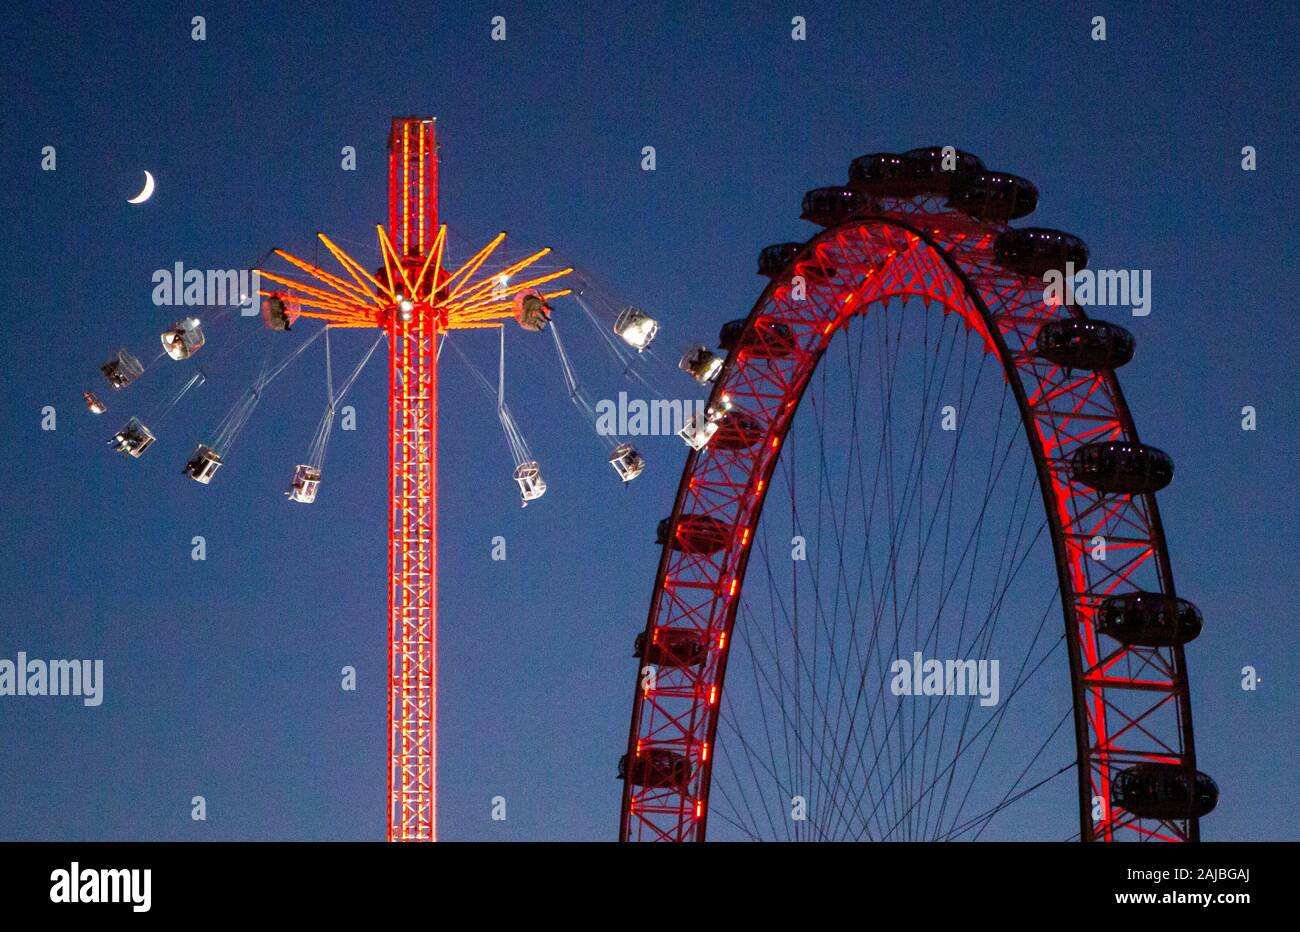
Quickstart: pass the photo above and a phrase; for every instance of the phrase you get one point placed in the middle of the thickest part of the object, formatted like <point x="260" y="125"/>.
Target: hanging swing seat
<point x="133" y="439"/>
<point x="627" y="462"/>
<point x="203" y="464"/>
<point x="303" y="487"/>
<point x="531" y="484"/>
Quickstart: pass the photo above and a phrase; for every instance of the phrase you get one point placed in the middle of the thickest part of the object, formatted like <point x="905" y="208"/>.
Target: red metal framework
<point x="412" y="515"/>
<point x="1131" y="704"/>
<point x="414" y="300"/>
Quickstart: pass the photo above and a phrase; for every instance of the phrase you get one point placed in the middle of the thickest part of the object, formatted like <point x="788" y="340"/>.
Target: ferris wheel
<point x="913" y="459"/>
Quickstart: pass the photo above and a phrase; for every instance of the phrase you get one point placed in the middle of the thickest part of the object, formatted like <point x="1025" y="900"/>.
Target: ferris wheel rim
<point x="1090" y="724"/>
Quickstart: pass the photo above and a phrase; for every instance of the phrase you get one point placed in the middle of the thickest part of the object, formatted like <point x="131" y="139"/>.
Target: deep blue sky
<point x="222" y="677"/>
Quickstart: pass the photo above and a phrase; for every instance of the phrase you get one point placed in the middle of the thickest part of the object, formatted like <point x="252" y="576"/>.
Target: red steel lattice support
<point x="414" y="300"/>
<point x="413" y="484"/>
<point x="1131" y="703"/>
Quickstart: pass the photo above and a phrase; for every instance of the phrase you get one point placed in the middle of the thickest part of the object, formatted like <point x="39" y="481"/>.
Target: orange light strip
<point x="386" y="247"/>
<point x="434" y="258"/>
<point x="494" y="296"/>
<point x="506" y="309"/>
<point x="472" y="303"/>
<point x="344" y="288"/>
<point x="466" y="271"/>
<point x="506" y="272"/>
<point x="320" y="295"/>
<point x="354" y="267"/>
<point x="420" y="205"/>
<point x="406" y="191"/>
<point x="458" y="325"/>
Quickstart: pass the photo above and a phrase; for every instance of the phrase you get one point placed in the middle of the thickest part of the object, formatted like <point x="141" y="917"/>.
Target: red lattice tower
<point x="413" y="488"/>
<point x="414" y="300"/>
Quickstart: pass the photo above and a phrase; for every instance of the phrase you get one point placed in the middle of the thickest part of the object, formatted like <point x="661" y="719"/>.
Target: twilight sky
<point x="222" y="676"/>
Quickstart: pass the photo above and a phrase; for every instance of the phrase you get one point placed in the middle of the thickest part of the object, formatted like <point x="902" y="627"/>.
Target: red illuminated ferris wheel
<point x="861" y="540"/>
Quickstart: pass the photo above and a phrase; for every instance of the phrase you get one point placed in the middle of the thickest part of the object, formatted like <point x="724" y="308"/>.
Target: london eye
<point x="918" y="529"/>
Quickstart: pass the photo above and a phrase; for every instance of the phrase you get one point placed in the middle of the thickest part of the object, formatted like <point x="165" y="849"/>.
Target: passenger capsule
<point x="769" y="339"/>
<point x="1121" y="467"/>
<point x="1164" y="791"/>
<point x="995" y="196"/>
<point x="694" y="534"/>
<point x="133" y="439"/>
<point x="774" y="260"/>
<point x="279" y="310"/>
<point x="93" y="404"/>
<point x="304" y="485"/>
<point x="122" y="369"/>
<point x="701" y="364"/>
<point x="881" y="174"/>
<point x="627" y="462"/>
<point x="698" y="430"/>
<point x="831" y="206"/>
<point x="1080" y="343"/>
<point x="737" y="432"/>
<point x="655" y="768"/>
<point x="532" y="313"/>
<point x="933" y="175"/>
<point x="203" y="464"/>
<point x="184" y="338"/>
<point x="1149" y="619"/>
<point x="531" y="484"/>
<point x="636" y="328"/>
<point x="673" y="647"/>
<point x="1035" y="251"/>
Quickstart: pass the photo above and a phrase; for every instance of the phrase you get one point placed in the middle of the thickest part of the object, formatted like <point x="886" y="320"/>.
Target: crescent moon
<point x="146" y="193"/>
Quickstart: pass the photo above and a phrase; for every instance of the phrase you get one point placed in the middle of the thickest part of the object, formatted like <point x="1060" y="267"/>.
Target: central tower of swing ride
<point x="414" y="300"/>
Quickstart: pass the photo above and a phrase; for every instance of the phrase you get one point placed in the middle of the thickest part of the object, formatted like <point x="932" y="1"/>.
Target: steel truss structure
<point x="412" y="510"/>
<point x="1131" y="704"/>
<point x="414" y="300"/>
